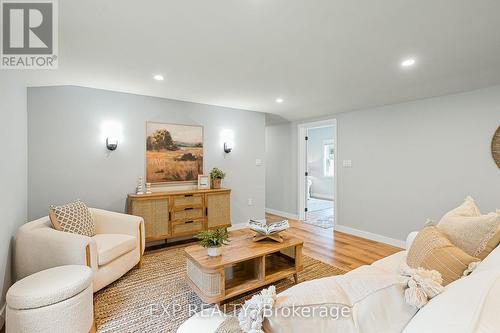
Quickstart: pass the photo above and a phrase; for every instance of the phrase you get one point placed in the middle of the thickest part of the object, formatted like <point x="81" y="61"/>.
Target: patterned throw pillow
<point x="431" y="250"/>
<point x="74" y="217"/>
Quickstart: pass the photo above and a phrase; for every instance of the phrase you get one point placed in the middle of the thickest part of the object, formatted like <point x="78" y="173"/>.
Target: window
<point x="328" y="158"/>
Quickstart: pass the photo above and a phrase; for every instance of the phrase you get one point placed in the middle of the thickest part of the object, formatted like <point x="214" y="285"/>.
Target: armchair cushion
<point x="112" y="246"/>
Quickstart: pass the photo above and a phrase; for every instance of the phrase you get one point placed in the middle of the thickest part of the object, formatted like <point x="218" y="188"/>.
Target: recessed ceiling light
<point x="408" y="62"/>
<point x="279" y="100"/>
<point x="158" y="77"/>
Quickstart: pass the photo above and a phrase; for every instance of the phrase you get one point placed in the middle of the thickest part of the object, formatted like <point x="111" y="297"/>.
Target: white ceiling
<point x="321" y="56"/>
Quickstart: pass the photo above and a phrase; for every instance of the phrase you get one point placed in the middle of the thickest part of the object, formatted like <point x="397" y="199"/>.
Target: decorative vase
<point x="216" y="183"/>
<point x="214" y="251"/>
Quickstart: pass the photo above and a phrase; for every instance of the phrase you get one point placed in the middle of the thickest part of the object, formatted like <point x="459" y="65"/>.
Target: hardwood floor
<point x="336" y="248"/>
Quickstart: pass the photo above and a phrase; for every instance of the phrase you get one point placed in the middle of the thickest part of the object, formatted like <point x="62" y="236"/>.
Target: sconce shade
<point x="111" y="144"/>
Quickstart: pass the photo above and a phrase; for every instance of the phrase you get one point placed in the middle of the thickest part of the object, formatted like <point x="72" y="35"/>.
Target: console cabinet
<point x="181" y="213"/>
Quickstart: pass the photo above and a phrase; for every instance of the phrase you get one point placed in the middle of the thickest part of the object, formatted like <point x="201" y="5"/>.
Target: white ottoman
<point x="59" y="299"/>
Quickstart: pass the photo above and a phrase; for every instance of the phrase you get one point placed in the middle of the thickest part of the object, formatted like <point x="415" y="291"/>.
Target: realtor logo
<point x="29" y="34"/>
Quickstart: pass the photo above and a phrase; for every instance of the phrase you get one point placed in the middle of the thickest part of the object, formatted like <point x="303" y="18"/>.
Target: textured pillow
<point x="431" y="250"/>
<point x="474" y="233"/>
<point x="74" y="217"/>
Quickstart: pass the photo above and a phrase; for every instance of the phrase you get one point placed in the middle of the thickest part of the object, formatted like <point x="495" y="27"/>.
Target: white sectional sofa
<point x="467" y="305"/>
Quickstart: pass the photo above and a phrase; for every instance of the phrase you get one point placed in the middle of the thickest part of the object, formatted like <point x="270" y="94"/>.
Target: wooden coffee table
<point x="244" y="265"/>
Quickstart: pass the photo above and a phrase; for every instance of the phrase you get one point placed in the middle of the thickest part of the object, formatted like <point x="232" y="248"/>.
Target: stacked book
<point x="266" y="228"/>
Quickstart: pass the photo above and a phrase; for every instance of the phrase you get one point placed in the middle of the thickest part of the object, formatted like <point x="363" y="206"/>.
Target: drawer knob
<point x="189" y="222"/>
<point x="189" y="208"/>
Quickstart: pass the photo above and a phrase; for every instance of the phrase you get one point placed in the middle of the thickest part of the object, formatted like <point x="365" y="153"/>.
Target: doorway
<point x="317" y="173"/>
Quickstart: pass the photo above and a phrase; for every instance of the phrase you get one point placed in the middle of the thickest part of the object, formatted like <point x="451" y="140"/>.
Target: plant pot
<point x="214" y="251"/>
<point x="216" y="183"/>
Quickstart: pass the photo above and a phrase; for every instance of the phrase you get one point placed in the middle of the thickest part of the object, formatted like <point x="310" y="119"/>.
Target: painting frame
<point x="181" y="149"/>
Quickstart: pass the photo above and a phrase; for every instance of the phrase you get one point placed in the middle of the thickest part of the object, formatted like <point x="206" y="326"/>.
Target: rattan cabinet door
<point x="155" y="215"/>
<point x="218" y="210"/>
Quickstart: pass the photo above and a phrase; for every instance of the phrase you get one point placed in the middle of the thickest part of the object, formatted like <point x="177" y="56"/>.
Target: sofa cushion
<point x="433" y="251"/>
<point x="48" y="287"/>
<point x="471" y="231"/>
<point x="392" y="263"/>
<point x="74" y="217"/>
<point x="111" y="246"/>
<point x="467" y="305"/>
<point x="491" y="262"/>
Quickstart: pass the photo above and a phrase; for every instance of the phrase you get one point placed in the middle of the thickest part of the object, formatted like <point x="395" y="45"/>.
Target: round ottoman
<point x="59" y="299"/>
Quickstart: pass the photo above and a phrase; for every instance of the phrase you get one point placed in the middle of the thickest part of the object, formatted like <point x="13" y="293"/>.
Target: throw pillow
<point x="471" y="231"/>
<point x="431" y="250"/>
<point x="74" y="217"/>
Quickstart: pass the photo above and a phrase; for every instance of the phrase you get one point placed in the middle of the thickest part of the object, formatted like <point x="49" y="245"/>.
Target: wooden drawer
<point x="187" y="200"/>
<point x="189" y="227"/>
<point x="189" y="213"/>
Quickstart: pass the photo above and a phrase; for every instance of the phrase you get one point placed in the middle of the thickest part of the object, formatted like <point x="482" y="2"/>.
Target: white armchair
<point x="116" y="248"/>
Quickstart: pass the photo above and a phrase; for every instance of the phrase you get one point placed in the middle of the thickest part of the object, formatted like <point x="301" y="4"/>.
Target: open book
<point x="268" y="228"/>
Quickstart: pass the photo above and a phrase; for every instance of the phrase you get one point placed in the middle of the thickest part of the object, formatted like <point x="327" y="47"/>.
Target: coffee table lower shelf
<point x="216" y="284"/>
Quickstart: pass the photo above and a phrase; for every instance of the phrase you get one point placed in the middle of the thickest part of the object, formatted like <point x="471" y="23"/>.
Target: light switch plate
<point x="258" y="162"/>
<point x="250" y="201"/>
<point x="347" y="163"/>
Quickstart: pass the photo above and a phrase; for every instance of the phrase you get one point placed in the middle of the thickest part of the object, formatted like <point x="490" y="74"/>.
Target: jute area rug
<point x="157" y="298"/>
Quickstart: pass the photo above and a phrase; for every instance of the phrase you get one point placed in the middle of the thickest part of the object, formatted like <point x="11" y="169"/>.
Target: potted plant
<point x="213" y="240"/>
<point x="217" y="175"/>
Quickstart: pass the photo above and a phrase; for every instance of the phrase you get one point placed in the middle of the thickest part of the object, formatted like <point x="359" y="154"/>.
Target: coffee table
<point x="244" y="265"/>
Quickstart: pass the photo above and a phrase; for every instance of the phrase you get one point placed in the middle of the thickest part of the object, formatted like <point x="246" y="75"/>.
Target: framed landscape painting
<point x="174" y="153"/>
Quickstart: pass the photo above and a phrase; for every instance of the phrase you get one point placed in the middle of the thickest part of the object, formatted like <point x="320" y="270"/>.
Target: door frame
<point x="301" y="167"/>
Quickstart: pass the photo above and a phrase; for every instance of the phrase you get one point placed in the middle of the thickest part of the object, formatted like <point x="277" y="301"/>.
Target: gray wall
<point x="68" y="159"/>
<point x="322" y="186"/>
<point x="410" y="161"/>
<point x="13" y="171"/>
<point x="281" y="177"/>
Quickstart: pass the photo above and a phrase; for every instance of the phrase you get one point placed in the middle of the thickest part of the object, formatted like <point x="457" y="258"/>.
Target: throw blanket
<point x="367" y="299"/>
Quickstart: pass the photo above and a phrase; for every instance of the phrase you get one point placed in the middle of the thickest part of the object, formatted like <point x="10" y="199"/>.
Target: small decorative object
<point x="174" y="153"/>
<point x="269" y="230"/>
<point x="148" y="188"/>
<point x="203" y="182"/>
<point x="217" y="175"/>
<point x="495" y="147"/>
<point x="213" y="241"/>
<point x="139" y="189"/>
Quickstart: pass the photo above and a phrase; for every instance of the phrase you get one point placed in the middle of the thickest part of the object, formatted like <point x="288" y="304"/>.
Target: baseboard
<point x="322" y="196"/>
<point x="370" y="235"/>
<point x="2" y="317"/>
<point x="283" y="214"/>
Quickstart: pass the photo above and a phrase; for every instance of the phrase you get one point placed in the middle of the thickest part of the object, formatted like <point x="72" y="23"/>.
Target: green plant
<point x="213" y="238"/>
<point x="217" y="173"/>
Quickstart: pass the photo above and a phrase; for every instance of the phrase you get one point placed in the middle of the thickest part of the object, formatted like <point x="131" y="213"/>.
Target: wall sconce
<point x="227" y="139"/>
<point x="228" y="147"/>
<point x="111" y="134"/>
<point x="111" y="143"/>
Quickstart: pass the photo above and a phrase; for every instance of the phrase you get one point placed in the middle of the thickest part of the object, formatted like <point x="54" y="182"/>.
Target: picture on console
<point x="174" y="153"/>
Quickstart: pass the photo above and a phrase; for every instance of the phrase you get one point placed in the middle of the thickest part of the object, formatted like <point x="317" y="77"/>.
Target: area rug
<point x="324" y="222"/>
<point x="157" y="298"/>
<point x="314" y="204"/>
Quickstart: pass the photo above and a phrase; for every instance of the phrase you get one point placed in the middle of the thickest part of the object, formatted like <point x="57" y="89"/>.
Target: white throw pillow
<point x="471" y="231"/>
